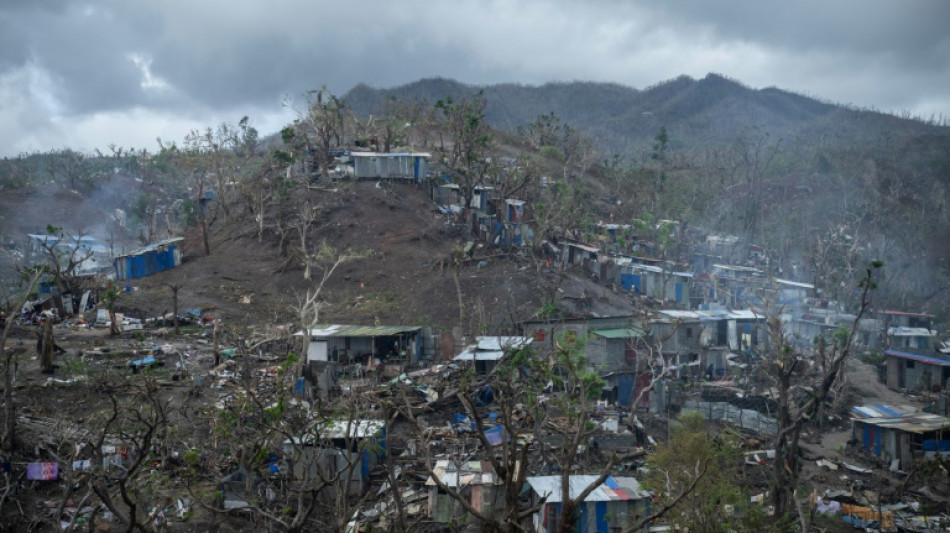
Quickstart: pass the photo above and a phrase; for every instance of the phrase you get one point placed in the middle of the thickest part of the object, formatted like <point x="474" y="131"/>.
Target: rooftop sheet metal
<point x="585" y="247"/>
<point x="901" y="331"/>
<point x="713" y="314"/>
<point x="341" y="429"/>
<point x="463" y="473"/>
<point x="917" y="357"/>
<point x="488" y="348"/>
<point x="902" y="417"/>
<point x="791" y="283"/>
<point x="154" y="246"/>
<point x="618" y="333"/>
<point x="502" y="342"/>
<point x="339" y="330"/>
<point x="612" y="489"/>
<point x="388" y="154"/>
<point x="645" y="268"/>
<point x="882" y="411"/>
<point x="738" y="268"/>
<point x="905" y="313"/>
<point x="479" y="355"/>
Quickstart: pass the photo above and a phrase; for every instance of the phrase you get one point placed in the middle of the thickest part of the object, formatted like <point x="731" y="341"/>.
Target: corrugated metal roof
<point x="153" y="246"/>
<point x="340" y="330"/>
<point x="488" y="348"/>
<point x="921" y="423"/>
<point x="388" y="154"/>
<point x="744" y="314"/>
<point x="340" y="429"/>
<point x="737" y="268"/>
<point x="612" y="489"/>
<point x="791" y="283"/>
<point x="463" y="473"/>
<point x="618" y="333"/>
<point x="901" y="417"/>
<point x="901" y="331"/>
<point x="905" y="313"/>
<point x="882" y="411"/>
<point x="585" y="247"/>
<point x="712" y="314"/>
<point x="676" y="313"/>
<point x="480" y="355"/>
<point x="645" y="268"/>
<point x="502" y="342"/>
<point x="917" y="357"/>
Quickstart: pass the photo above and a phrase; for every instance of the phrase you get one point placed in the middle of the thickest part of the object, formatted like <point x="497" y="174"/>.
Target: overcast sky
<point x="88" y="74"/>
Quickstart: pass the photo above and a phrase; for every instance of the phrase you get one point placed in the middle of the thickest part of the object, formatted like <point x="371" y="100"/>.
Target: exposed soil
<point x="406" y="278"/>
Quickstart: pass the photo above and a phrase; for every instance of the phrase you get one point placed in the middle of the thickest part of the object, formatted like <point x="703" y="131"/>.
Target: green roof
<point x="618" y="333"/>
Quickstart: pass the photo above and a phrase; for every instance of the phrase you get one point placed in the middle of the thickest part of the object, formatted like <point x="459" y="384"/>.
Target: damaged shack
<point x="345" y="448"/>
<point x="393" y="347"/>
<point x="154" y="258"/>
<point x="475" y="481"/>
<point x="900" y="435"/>
<point x="613" y="505"/>
<point x="488" y="351"/>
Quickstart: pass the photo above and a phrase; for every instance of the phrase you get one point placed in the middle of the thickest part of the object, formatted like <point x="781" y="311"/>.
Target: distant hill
<point x="825" y="187"/>
<point x="708" y="111"/>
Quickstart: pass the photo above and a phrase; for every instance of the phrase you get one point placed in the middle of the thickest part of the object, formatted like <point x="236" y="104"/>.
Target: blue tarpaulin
<point x="494" y="435"/>
<point x="143" y="362"/>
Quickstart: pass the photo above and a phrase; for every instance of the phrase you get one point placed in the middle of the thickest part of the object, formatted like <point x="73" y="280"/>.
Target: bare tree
<point x="135" y="426"/>
<point x="321" y="125"/>
<point x="470" y="157"/>
<point x="307" y="215"/>
<point x="65" y="255"/>
<point x="327" y="259"/>
<point x="175" y="287"/>
<point x="30" y="277"/>
<point x="792" y="417"/>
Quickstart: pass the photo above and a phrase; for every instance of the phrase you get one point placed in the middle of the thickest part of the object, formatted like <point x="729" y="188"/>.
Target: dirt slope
<point x="400" y="282"/>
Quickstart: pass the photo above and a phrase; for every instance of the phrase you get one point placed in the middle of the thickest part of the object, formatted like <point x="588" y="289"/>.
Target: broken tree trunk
<point x="46" y="348"/>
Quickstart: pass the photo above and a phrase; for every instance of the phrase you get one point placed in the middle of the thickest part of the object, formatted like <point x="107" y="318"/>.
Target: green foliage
<point x="73" y="366"/>
<point x="109" y="296"/>
<point x="676" y="464"/>
<point x="552" y="152"/>
<point x="191" y="457"/>
<point x="547" y="311"/>
<point x="189" y="212"/>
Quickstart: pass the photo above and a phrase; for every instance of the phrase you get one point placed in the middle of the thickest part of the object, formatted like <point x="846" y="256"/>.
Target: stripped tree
<point x="792" y="415"/>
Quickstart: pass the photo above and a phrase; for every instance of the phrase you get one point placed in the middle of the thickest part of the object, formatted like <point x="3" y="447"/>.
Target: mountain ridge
<point x="713" y="109"/>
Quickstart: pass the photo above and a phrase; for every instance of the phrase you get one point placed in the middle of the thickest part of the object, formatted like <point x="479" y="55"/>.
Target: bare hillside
<point x="401" y="281"/>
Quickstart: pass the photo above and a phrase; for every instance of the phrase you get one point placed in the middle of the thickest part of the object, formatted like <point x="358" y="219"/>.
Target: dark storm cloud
<point x="914" y="31"/>
<point x="77" y="70"/>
